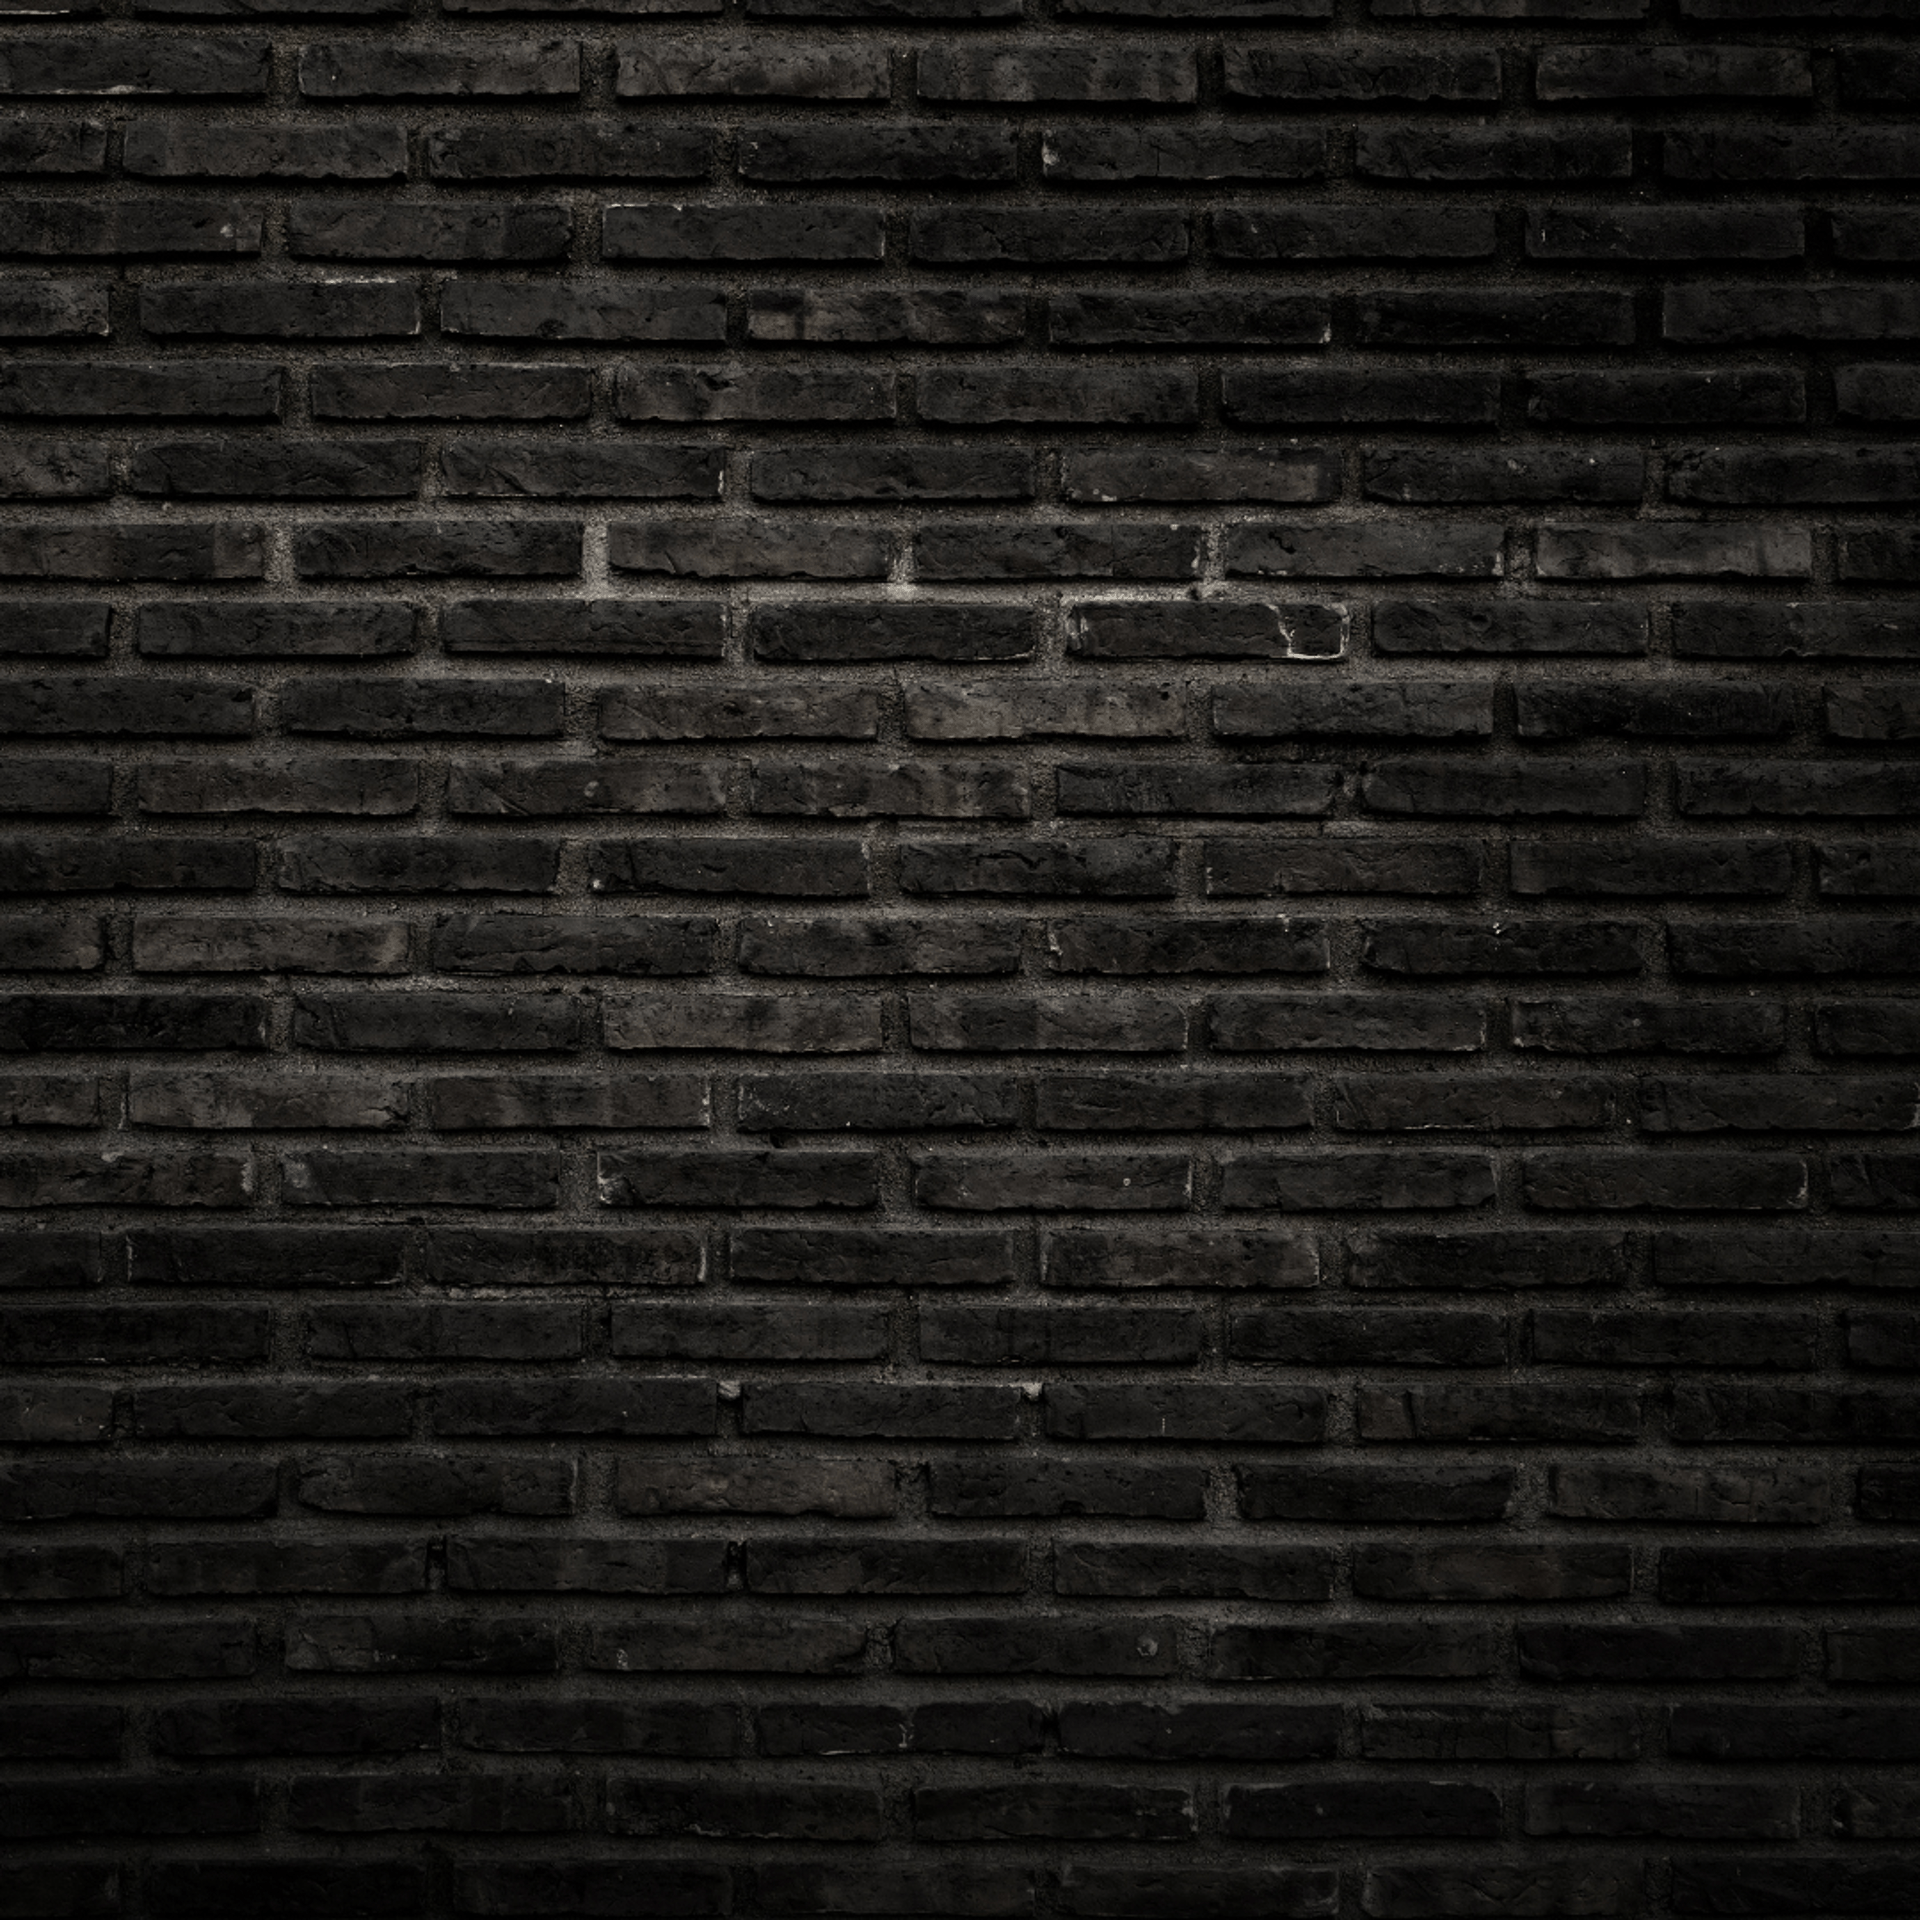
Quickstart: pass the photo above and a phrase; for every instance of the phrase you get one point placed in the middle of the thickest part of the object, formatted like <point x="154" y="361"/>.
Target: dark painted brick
<point x="1264" y="648"/>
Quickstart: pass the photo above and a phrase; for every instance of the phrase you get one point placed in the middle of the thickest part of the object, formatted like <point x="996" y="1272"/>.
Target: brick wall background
<point x="960" y="958"/>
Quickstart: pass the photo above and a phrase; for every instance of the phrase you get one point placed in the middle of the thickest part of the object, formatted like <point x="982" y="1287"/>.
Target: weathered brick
<point x="1522" y="627"/>
<point x="342" y="1177"/>
<point x="1363" y="1651"/>
<point x="76" y="229"/>
<point x="345" y="70"/>
<point x="826" y="631"/>
<point x="1016" y="396"/>
<point x="413" y="391"/>
<point x="1337" y="1021"/>
<point x="31" y="144"/>
<point x="1546" y="476"/>
<point x="1084" y="1183"/>
<point x="1135" y="867"/>
<point x="1371" y="1495"/>
<point x="1224" y="630"/>
<point x="1342" y="231"/>
<point x="1079" y="73"/>
<point x="750" y="393"/>
<point x="130" y="551"/>
<point x="741" y="231"/>
<point x="116" y="63"/>
<point x="182" y="149"/>
<point x="74" y="630"/>
<point x="1360" y="73"/>
<point x="1306" y="1182"/>
<point x="1668" y="73"/>
<point x="52" y="309"/>
<point x="841" y="1256"/>
<point x="1560" y="152"/>
<point x="1256" y="397"/>
<point x="1023" y="1023"/>
<point x="646" y="630"/>
<point x="949" y="317"/>
<point x="594" y="150"/>
<point x="61" y="389"/>
<point x="435" y="549"/>
<point x="1729" y="397"/>
<point x="357" y="230"/>
<point x="1243" y="868"/>
<point x="745" y="1023"/>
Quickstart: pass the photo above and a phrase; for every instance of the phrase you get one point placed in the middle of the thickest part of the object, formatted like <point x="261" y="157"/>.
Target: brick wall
<point x="960" y="958"/>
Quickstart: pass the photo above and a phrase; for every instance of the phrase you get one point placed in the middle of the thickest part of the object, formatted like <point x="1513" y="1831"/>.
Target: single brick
<point x="31" y="144"/>
<point x="435" y="549"/>
<point x="1080" y="73"/>
<point x="133" y="551"/>
<point x="809" y="712"/>
<point x="901" y="153"/>
<point x="1362" y="74"/>
<point x="1206" y="630"/>
<point x="53" y="309"/>
<point x="826" y="870"/>
<point x="1518" y="627"/>
<point x="183" y="149"/>
<point x="639" y="629"/>
<point x="1020" y="236"/>
<point x="1469" y="317"/>
<point x="293" y="470"/>
<point x="509" y="231"/>
<point x="756" y="549"/>
<point x="1562" y="152"/>
<point x="1672" y="73"/>
<point x="1015" y="396"/>
<point x="65" y="389"/>
<point x="1547" y="476"/>
<point x="855" y="316"/>
<point x="512" y="469"/>
<point x="77" y="229"/>
<point x="520" y="789"/>
<point x="1259" y="1023"/>
<point x="424" y="391"/>
<point x="139" y="64"/>
<point x="1645" y="397"/>
<point x="1258" y="397"/>
<point x="757" y="66"/>
<point x="742" y="231"/>
<point x="1649" y="234"/>
<point x="1297" y="476"/>
<point x="1336" y="230"/>
<point x="217" y="630"/>
<point x="584" y="150"/>
<point x="348" y="70"/>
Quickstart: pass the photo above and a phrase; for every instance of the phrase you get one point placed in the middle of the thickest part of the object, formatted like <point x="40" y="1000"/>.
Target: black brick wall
<point x="960" y="958"/>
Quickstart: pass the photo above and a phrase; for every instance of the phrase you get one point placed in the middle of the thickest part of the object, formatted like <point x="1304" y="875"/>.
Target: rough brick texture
<point x="959" y="959"/>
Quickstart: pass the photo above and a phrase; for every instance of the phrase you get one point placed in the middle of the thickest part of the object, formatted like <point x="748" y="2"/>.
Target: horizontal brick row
<point x="270" y="1259"/>
<point x="313" y="1725"/>
<point x="1866" y="474"/>
<point x="1019" y="1180"/>
<point x="853" y="233"/>
<point x="1265" y="1415"/>
<point x="1702" y="1883"/>
<point x="800" y="629"/>
<point x="854" y="395"/>
<point x="1079" y="69"/>
<point x="253" y="1098"/>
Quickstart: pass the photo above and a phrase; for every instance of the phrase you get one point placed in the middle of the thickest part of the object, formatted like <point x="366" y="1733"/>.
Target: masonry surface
<point x="959" y="958"/>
